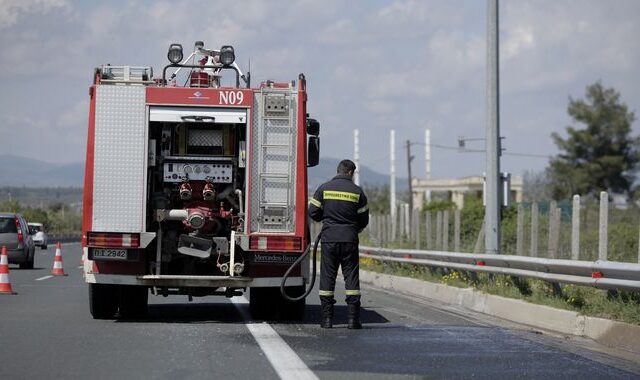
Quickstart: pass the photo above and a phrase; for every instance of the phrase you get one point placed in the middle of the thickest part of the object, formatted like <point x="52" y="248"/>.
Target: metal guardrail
<point x="599" y="274"/>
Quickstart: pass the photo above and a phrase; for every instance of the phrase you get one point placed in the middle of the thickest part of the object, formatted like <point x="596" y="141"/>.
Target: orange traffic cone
<point x="5" y="284"/>
<point x="57" y="262"/>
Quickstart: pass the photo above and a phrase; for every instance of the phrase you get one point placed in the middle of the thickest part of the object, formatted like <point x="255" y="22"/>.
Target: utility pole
<point x="427" y="160"/>
<point x="392" y="189"/>
<point x="356" y="156"/>
<point x="409" y="159"/>
<point x="492" y="188"/>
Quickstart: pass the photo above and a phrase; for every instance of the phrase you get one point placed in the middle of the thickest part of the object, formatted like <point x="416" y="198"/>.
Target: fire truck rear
<point x="198" y="189"/>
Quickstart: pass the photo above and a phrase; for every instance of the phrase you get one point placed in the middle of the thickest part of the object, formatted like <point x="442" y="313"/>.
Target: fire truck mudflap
<point x="197" y="190"/>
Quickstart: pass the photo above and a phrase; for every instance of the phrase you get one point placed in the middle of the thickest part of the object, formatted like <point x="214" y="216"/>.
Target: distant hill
<point x="42" y="196"/>
<point x="326" y="170"/>
<point x="18" y="171"/>
<point x="22" y="171"/>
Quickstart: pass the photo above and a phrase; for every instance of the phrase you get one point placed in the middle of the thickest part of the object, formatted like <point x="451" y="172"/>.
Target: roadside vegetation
<point x="58" y="218"/>
<point x="622" y="306"/>
<point x="599" y="153"/>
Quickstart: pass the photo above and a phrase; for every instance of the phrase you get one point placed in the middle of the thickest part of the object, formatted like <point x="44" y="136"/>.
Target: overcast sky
<point x="374" y="65"/>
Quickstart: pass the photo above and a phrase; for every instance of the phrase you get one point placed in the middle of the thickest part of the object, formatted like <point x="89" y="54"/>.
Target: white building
<point x="455" y="189"/>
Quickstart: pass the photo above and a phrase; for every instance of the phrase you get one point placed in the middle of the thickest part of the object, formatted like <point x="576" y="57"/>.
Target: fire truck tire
<point x="268" y="304"/>
<point x="133" y="301"/>
<point x="263" y="303"/>
<point x="294" y="311"/>
<point x="103" y="300"/>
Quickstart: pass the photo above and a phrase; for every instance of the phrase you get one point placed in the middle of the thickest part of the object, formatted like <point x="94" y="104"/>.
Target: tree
<point x="602" y="156"/>
<point x="536" y="185"/>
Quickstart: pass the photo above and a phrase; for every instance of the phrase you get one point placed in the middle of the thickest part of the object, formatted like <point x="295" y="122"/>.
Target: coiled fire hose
<point x="313" y="273"/>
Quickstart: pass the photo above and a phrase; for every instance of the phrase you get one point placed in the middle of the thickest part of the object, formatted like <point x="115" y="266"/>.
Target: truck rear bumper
<point x="194" y="281"/>
<point x="190" y="281"/>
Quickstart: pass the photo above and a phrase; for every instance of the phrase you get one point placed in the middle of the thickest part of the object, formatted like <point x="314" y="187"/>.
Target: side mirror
<point x="313" y="127"/>
<point x="313" y="151"/>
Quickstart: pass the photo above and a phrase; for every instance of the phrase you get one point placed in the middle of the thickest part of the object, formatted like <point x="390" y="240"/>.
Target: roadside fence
<point x="583" y="242"/>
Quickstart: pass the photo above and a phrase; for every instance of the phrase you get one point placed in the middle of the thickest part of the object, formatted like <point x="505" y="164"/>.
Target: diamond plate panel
<point x="277" y="104"/>
<point x="274" y="219"/>
<point x="274" y="147"/>
<point x="277" y="132"/>
<point x="119" y="159"/>
<point x="254" y="223"/>
<point x="294" y="160"/>
<point x="276" y="160"/>
<point x="205" y="137"/>
<point x="275" y="190"/>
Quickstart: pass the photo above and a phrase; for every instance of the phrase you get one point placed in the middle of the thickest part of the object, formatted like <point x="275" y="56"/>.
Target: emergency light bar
<point x="225" y="58"/>
<point x="227" y="55"/>
<point x="175" y="53"/>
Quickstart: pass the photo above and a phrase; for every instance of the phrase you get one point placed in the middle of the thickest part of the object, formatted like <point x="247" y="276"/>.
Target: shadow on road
<point x="17" y="268"/>
<point x="228" y="313"/>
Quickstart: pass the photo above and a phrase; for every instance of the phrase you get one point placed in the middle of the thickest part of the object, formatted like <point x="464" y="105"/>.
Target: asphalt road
<point x="46" y="331"/>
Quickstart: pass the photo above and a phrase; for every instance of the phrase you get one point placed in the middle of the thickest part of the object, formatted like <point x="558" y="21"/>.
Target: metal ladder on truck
<point x="277" y="160"/>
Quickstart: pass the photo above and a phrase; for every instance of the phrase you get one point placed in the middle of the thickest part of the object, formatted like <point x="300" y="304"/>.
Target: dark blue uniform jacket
<point x="342" y="207"/>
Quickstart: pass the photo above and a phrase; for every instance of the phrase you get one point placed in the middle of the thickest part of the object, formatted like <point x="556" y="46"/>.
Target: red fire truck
<point x="198" y="189"/>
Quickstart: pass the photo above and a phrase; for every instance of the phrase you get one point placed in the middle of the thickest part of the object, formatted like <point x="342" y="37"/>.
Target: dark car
<point x="14" y="234"/>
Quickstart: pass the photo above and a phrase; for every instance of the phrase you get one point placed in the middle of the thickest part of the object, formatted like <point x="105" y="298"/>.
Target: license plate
<point x="110" y="254"/>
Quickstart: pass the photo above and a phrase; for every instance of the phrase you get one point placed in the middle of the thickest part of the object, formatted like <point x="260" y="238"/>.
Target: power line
<point x="459" y="150"/>
<point x="527" y="155"/>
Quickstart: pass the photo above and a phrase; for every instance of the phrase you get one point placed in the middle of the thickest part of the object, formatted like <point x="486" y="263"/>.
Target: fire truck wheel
<point x="133" y="301"/>
<point x="263" y="303"/>
<point x="268" y="304"/>
<point x="294" y="311"/>
<point x="103" y="300"/>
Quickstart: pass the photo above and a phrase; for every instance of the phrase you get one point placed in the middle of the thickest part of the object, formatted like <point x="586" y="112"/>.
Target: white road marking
<point x="43" y="278"/>
<point x="284" y="360"/>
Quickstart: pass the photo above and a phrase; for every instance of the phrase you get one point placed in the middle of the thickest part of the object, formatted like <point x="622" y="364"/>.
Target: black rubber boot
<point x="353" y="319"/>
<point x="327" y="315"/>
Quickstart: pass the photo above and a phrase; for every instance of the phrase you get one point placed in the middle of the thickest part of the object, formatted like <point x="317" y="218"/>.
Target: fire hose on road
<point x="296" y="263"/>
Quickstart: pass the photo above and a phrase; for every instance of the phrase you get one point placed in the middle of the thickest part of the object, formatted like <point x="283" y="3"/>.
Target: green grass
<point x="621" y="306"/>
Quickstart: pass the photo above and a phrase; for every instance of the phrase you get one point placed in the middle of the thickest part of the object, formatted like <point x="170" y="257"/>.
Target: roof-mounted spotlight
<point x="175" y="53"/>
<point x="227" y="55"/>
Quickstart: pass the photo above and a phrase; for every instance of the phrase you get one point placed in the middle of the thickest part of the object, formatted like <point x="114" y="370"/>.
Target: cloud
<point x="518" y="39"/>
<point x="11" y="11"/>
<point x="75" y="116"/>
<point x="405" y="64"/>
<point x="554" y="43"/>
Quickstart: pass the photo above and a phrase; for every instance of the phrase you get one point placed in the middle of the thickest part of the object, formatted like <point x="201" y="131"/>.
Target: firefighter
<point x="342" y="207"/>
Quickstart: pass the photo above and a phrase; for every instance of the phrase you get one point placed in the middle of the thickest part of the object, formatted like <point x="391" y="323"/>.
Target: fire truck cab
<point x="198" y="189"/>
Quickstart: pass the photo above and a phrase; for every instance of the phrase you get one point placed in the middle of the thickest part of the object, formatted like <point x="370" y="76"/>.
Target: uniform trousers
<point x="343" y="255"/>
